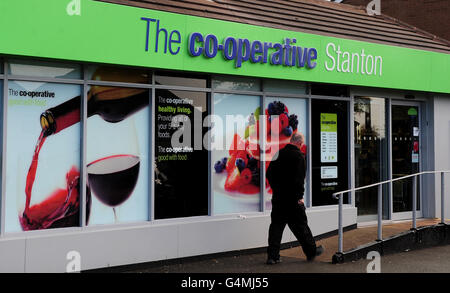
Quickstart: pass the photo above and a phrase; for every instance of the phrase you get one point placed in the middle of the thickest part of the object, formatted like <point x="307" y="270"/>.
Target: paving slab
<point x="357" y="237"/>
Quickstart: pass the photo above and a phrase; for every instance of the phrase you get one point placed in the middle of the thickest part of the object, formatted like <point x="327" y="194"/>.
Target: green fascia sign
<point x="92" y="31"/>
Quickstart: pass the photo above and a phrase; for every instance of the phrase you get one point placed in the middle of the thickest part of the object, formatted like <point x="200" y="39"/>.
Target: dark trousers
<point x="295" y="217"/>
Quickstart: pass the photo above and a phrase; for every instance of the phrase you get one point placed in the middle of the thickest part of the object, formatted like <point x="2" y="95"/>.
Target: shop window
<point x="44" y="69"/>
<point x="292" y="118"/>
<point x="118" y="74"/>
<point x="235" y="154"/>
<point x="285" y="86"/>
<point x="224" y="83"/>
<point x="118" y="154"/>
<point x="181" y="158"/>
<point x="43" y="156"/>
<point x="321" y="89"/>
<point x="181" y="79"/>
<point x="330" y="152"/>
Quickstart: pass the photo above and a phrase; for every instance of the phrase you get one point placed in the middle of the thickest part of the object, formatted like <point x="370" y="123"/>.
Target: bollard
<point x="380" y="212"/>
<point x="340" y="225"/>
<point x="442" y="198"/>
<point x="414" y="204"/>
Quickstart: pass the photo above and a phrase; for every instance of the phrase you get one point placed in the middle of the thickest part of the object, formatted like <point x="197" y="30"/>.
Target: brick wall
<point x="432" y="16"/>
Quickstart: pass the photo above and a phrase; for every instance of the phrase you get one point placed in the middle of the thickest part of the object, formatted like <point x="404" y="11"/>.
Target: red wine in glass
<point x="61" y="208"/>
<point x="113" y="179"/>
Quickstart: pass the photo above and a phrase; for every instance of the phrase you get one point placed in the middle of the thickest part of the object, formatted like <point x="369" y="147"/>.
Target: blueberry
<point x="271" y="108"/>
<point x="224" y="161"/>
<point x="240" y="164"/>
<point x="293" y="121"/>
<point x="288" y="131"/>
<point x="218" y="166"/>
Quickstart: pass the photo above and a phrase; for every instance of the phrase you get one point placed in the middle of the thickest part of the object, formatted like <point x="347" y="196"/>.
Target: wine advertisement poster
<point x="52" y="182"/>
<point x="117" y="156"/>
<point x="43" y="159"/>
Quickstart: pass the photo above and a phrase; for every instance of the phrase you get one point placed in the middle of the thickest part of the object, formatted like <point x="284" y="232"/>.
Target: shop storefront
<point x="133" y="135"/>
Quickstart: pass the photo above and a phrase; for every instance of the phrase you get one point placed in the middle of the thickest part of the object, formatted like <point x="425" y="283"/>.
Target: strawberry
<point x="234" y="180"/>
<point x="231" y="163"/>
<point x="249" y="189"/>
<point x="284" y="121"/>
<point x="246" y="175"/>
<point x="237" y="144"/>
<point x="242" y="155"/>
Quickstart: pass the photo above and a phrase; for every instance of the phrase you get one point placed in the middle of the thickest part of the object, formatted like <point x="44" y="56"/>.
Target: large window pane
<point x="118" y="74"/>
<point x="330" y="153"/>
<point x="285" y="86"/>
<point x="44" y="69"/>
<point x="42" y="181"/>
<point x="235" y="154"/>
<point x="292" y="117"/>
<point x="188" y="80"/>
<point x="236" y="83"/>
<point x="181" y="160"/>
<point x="118" y="154"/>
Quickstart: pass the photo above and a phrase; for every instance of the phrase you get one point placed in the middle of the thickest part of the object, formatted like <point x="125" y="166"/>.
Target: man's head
<point x="298" y="139"/>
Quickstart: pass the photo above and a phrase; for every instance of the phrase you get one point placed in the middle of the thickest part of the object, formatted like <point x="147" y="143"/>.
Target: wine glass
<point x="113" y="161"/>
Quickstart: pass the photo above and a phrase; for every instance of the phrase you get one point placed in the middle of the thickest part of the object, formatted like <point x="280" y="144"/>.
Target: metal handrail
<point x="340" y="197"/>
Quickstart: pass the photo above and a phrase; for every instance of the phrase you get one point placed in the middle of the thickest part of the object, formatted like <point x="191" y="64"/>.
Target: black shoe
<point x="271" y="261"/>
<point x="319" y="251"/>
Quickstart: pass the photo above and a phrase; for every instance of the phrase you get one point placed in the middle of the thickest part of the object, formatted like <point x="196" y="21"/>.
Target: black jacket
<point x="286" y="175"/>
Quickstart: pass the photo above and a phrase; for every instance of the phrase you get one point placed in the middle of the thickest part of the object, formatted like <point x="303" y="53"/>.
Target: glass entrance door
<point x="371" y="155"/>
<point x="405" y="157"/>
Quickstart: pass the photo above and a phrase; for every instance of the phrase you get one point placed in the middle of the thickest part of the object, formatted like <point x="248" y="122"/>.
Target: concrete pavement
<point x="429" y="260"/>
<point x="432" y="260"/>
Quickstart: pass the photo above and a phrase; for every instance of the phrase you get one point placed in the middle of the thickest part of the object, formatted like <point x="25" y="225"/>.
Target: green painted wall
<point x="115" y="34"/>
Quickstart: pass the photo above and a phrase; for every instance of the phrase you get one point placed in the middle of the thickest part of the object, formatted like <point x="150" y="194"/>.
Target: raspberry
<point x="293" y="121"/>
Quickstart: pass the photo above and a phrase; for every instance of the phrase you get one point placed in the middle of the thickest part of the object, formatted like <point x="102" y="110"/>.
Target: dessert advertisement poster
<point x="236" y="169"/>
<point x="232" y="193"/>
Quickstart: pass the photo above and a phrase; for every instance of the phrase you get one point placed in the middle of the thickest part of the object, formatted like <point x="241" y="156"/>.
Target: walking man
<point x="286" y="177"/>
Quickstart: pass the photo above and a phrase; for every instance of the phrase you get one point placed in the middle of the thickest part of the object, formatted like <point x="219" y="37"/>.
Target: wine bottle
<point x="111" y="104"/>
